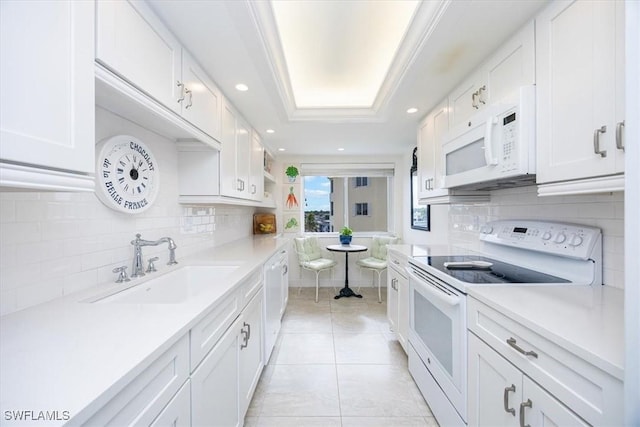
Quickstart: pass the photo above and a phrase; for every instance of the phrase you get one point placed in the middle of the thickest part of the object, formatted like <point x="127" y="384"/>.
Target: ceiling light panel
<point x="338" y="53"/>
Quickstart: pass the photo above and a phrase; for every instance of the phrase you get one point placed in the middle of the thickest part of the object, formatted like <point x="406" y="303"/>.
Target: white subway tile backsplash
<point x="7" y="211"/>
<point x="20" y="232"/>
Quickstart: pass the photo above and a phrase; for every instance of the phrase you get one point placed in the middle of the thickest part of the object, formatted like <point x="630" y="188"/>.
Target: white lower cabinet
<point x="517" y="376"/>
<point x="177" y="413"/>
<point x="398" y="297"/>
<point x="214" y="385"/>
<point x="501" y="395"/>
<point x="251" y="349"/>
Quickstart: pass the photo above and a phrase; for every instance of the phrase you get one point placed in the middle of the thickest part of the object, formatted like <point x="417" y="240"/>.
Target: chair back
<point x="379" y="246"/>
<point x="307" y="249"/>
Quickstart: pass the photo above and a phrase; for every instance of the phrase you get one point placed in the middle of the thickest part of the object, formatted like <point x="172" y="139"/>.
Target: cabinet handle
<point x="474" y="100"/>
<point x="239" y="184"/>
<point x="181" y="86"/>
<point x="396" y="262"/>
<point x="512" y="342"/>
<point x="596" y="141"/>
<point x="285" y="269"/>
<point x="245" y="341"/>
<point x="619" y="143"/>
<point x="248" y="325"/>
<point x="253" y="189"/>
<point x="506" y="399"/>
<point x="482" y="90"/>
<point x="188" y="92"/>
<point x="527" y="404"/>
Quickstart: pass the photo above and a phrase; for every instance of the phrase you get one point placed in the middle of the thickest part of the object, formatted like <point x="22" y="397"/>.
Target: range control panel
<point x="561" y="239"/>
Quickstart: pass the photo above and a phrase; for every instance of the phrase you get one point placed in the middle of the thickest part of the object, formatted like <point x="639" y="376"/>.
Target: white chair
<point x="377" y="261"/>
<point x="310" y="257"/>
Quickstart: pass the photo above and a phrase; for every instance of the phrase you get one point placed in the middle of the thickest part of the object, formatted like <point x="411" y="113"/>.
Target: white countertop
<point x="585" y="320"/>
<point x="68" y="355"/>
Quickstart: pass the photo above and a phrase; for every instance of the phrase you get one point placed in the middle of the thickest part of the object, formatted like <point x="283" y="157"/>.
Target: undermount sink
<point x="171" y="288"/>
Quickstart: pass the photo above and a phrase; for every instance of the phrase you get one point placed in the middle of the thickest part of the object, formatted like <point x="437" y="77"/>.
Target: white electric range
<point x="513" y="252"/>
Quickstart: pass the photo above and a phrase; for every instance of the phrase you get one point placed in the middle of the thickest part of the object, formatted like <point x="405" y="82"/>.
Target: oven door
<point x="437" y="331"/>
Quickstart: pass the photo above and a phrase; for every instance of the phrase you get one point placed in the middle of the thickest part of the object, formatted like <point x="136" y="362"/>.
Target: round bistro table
<point x="346" y="291"/>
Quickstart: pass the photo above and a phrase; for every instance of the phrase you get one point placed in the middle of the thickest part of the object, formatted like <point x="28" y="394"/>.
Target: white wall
<point x="56" y="243"/>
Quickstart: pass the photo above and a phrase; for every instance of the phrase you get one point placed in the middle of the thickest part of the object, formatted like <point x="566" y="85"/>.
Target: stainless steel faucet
<point x="138" y="243"/>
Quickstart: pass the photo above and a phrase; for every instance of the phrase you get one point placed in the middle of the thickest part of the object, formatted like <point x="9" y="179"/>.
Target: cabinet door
<point x="462" y="102"/>
<point x="576" y="86"/>
<point x="177" y="413"/>
<point x="542" y="409"/>
<point x="47" y="84"/>
<point x="251" y="348"/>
<point x="392" y="299"/>
<point x="403" y="311"/>
<point x="256" y="177"/>
<point x="133" y="42"/>
<point x="214" y="385"/>
<point x="243" y="156"/>
<point x="440" y="128"/>
<point x="228" y="184"/>
<point x="512" y="66"/>
<point x="494" y="387"/>
<point x="426" y="159"/>
<point x="202" y="103"/>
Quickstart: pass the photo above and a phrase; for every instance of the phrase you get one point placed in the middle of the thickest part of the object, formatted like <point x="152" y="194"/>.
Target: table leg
<point x="346" y="291"/>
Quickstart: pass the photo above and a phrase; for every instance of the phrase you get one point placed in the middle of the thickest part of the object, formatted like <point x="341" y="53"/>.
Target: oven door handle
<point x="451" y="300"/>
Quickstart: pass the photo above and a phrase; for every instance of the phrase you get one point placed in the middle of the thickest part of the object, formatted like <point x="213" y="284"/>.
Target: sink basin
<point x="172" y="288"/>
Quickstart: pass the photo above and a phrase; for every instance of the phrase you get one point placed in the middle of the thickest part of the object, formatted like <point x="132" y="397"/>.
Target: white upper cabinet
<point x="511" y="66"/>
<point x="229" y="184"/>
<point x="134" y="44"/>
<point x="47" y="123"/>
<point x="580" y="73"/>
<point x="256" y="176"/>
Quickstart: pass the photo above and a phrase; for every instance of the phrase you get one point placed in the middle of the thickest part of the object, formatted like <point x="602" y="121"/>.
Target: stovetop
<point x="499" y="272"/>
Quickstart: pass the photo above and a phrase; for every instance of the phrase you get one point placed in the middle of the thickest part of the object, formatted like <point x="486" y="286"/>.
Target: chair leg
<point x="317" y="283"/>
<point x="379" y="285"/>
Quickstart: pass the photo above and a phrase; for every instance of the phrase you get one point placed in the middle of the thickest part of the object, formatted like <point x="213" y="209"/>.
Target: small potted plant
<point x="346" y="235"/>
<point x="292" y="173"/>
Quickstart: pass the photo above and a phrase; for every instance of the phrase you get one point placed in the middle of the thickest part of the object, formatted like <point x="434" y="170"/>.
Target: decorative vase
<point x="292" y="179"/>
<point x="345" y="240"/>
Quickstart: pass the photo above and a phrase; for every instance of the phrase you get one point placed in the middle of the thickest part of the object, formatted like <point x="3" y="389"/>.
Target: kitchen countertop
<point x="69" y="355"/>
<point x="585" y="320"/>
<point x="410" y="250"/>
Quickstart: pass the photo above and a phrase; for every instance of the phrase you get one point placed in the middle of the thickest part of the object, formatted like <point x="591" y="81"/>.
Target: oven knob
<point x="561" y="237"/>
<point x="575" y="240"/>
<point x="546" y="235"/>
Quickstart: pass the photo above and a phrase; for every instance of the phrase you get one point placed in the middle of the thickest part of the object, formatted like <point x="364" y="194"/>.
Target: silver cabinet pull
<point x="527" y="404"/>
<point x="188" y="92"/>
<point x="619" y="143"/>
<point x="474" y="100"/>
<point x="239" y="184"/>
<point x="181" y="86"/>
<point x="506" y="399"/>
<point x="482" y="90"/>
<point x="253" y="189"/>
<point x="247" y="335"/>
<point x="512" y="342"/>
<point x="596" y="141"/>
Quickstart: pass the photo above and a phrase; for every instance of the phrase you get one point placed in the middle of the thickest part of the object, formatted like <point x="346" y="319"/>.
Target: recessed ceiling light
<point x="281" y="149"/>
<point x="340" y="149"/>
<point x="271" y="131"/>
<point x="412" y="110"/>
<point x="242" y="87"/>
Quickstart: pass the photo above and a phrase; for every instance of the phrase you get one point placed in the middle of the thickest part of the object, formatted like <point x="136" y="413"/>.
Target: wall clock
<point x="127" y="175"/>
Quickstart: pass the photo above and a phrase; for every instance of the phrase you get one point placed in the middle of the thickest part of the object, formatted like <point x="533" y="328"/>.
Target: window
<point x="362" y="209"/>
<point x="362" y="181"/>
<point x="341" y="195"/>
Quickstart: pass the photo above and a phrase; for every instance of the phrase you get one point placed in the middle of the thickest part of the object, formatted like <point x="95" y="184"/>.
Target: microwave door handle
<point x="488" y="142"/>
<point x="451" y="300"/>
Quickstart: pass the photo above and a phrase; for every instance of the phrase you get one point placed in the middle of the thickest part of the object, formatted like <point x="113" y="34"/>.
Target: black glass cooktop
<point x="499" y="272"/>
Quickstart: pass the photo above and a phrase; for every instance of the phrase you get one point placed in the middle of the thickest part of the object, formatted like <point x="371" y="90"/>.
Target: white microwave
<point x="496" y="147"/>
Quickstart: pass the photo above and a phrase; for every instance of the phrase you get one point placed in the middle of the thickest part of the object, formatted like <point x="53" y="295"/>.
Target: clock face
<point x="127" y="174"/>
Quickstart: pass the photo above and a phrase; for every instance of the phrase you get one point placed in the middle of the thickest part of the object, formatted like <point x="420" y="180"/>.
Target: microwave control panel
<point x="509" y="136"/>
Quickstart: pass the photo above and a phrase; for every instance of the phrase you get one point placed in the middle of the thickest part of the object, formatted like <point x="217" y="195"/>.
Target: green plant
<point x="291" y="171"/>
<point x="346" y="231"/>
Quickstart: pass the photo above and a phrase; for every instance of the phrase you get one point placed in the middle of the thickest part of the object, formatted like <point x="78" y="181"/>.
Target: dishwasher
<point x="276" y="286"/>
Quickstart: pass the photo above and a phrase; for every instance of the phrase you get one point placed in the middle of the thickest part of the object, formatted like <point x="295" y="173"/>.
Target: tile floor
<point x="337" y="364"/>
